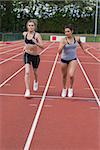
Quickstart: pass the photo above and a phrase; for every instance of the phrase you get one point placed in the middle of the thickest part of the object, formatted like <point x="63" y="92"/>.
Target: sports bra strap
<point x="74" y="40"/>
<point x="33" y="35"/>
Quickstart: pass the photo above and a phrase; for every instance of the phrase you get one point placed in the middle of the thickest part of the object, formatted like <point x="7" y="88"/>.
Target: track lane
<point x="52" y="126"/>
<point x="8" y="72"/>
<point x="67" y="124"/>
<point x="14" y="121"/>
<point x="70" y="123"/>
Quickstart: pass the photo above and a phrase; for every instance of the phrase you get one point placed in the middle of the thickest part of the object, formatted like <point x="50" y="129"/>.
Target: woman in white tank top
<point x="68" y="50"/>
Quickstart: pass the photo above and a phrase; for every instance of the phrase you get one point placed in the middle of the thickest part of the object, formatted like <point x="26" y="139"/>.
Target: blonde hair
<point x="33" y="21"/>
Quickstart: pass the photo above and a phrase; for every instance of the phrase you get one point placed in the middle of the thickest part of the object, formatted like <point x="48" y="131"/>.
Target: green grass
<point x="93" y="39"/>
<point x="89" y="38"/>
<point x="45" y="36"/>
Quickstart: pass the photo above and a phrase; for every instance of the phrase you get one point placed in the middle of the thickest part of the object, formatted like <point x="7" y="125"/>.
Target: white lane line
<point x="1" y="62"/>
<point x="92" y="55"/>
<point x="91" y="47"/>
<point x="19" y="95"/>
<point x="14" y="60"/>
<point x="35" y="121"/>
<point x="71" y="98"/>
<point x="42" y="61"/>
<point x="49" y="97"/>
<point x="11" y="50"/>
<point x="52" y="87"/>
<point x="13" y="44"/>
<point x="9" y="78"/>
<point x="89" y="83"/>
<point x="2" y="84"/>
<point x="47" y="48"/>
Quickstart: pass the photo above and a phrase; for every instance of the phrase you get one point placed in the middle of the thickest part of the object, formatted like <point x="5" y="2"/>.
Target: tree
<point x="52" y="15"/>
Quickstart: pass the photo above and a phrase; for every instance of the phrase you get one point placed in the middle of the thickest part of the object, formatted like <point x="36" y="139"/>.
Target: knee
<point x="71" y="75"/>
<point x="27" y="74"/>
<point x="64" y="76"/>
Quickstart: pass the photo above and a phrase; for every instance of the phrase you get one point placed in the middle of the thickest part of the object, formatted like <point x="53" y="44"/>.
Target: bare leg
<point x="71" y="71"/>
<point x="64" y="74"/>
<point x="35" y="87"/>
<point x="64" y="79"/>
<point x="35" y="75"/>
<point x="27" y="76"/>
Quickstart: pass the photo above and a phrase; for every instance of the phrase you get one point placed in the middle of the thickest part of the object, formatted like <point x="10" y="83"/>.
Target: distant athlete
<point x="68" y="50"/>
<point x="33" y="42"/>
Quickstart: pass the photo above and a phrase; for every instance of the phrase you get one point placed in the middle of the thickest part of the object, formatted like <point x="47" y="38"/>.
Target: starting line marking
<point x="48" y="97"/>
<point x="45" y="105"/>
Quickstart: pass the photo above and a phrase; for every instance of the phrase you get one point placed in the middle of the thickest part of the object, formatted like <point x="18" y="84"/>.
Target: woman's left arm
<point x="38" y="41"/>
<point x="81" y="44"/>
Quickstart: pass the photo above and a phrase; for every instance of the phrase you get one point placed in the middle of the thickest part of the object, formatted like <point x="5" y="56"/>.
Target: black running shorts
<point x="67" y="61"/>
<point x="34" y="59"/>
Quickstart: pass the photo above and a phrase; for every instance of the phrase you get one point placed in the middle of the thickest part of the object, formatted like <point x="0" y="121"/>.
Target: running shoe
<point x="35" y="86"/>
<point x="27" y="93"/>
<point x="64" y="91"/>
<point x="70" y="92"/>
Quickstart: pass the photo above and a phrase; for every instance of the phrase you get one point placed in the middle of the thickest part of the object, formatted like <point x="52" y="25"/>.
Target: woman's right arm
<point x="24" y="34"/>
<point x="61" y="45"/>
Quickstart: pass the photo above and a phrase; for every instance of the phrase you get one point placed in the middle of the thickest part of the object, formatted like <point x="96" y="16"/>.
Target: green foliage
<point x="52" y="15"/>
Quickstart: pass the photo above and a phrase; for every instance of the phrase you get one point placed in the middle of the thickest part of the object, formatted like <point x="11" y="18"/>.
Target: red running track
<point x="63" y="124"/>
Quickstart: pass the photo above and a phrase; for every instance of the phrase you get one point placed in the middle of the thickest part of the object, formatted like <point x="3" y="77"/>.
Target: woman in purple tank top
<point x="68" y="50"/>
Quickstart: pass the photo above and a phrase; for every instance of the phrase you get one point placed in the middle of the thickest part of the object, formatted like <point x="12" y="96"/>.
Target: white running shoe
<point x="70" y="92"/>
<point x="35" y="86"/>
<point x="27" y="93"/>
<point x="64" y="92"/>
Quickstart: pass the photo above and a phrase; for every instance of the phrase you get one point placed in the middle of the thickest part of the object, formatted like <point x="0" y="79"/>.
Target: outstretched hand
<point x="24" y="49"/>
<point x="85" y="51"/>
